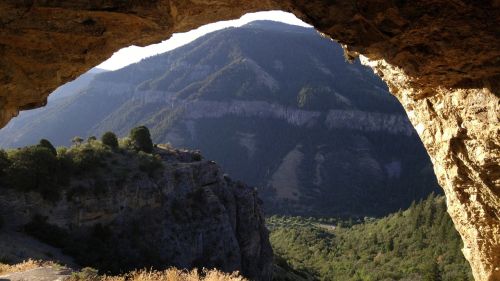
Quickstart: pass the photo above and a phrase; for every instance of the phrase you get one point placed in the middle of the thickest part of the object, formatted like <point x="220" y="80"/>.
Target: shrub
<point x="4" y="162"/>
<point x="34" y="168"/>
<point x="77" y="140"/>
<point x="87" y="159"/>
<point x="110" y="139"/>
<point x="141" y="138"/>
<point x="148" y="163"/>
<point x="86" y="274"/>
<point x="45" y="143"/>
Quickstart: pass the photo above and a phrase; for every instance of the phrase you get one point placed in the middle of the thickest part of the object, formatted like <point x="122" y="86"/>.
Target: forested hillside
<point x="420" y="243"/>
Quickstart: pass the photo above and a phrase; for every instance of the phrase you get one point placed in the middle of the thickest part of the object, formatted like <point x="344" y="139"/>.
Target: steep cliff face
<point x="460" y="129"/>
<point x="441" y="58"/>
<point x="188" y="215"/>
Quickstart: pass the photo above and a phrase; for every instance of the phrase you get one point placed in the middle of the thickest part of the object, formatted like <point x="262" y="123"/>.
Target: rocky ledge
<point x="188" y="215"/>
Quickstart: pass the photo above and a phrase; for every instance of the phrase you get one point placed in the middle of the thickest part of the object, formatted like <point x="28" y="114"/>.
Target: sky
<point x="134" y="54"/>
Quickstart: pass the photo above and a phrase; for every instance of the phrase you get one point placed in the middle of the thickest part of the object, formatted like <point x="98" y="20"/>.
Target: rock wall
<point x="190" y="215"/>
<point x="460" y="129"/>
<point x="440" y="58"/>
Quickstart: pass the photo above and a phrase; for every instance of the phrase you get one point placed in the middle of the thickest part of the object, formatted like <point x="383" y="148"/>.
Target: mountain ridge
<point x="266" y="106"/>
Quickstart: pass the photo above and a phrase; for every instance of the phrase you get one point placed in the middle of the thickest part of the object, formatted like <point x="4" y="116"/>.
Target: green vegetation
<point x="35" y="168"/>
<point x="420" y="243"/>
<point x="45" y="143"/>
<point x="109" y="139"/>
<point x="141" y="138"/>
<point x="43" y="169"/>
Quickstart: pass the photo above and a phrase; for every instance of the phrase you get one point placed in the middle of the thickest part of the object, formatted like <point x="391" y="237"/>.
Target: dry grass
<point x="171" y="274"/>
<point x="89" y="274"/>
<point x="25" y="265"/>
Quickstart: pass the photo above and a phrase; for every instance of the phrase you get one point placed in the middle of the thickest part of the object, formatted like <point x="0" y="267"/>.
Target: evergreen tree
<point x="109" y="139"/>
<point x="141" y="138"/>
<point x="432" y="272"/>
<point x="34" y="168"/>
<point x="4" y="161"/>
<point x="45" y="143"/>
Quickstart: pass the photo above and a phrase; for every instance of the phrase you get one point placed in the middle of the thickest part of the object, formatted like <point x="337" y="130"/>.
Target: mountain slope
<point x="420" y="243"/>
<point x="276" y="105"/>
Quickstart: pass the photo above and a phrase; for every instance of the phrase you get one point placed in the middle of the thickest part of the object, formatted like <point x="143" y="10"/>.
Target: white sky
<point x="134" y="54"/>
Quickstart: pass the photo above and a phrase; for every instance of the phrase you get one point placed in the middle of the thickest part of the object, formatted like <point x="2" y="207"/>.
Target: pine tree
<point x="45" y="143"/>
<point x="432" y="272"/>
<point x="141" y="138"/>
<point x="109" y="139"/>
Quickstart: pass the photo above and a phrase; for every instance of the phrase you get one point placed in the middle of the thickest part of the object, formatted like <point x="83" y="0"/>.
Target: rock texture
<point x="441" y="58"/>
<point x="191" y="215"/>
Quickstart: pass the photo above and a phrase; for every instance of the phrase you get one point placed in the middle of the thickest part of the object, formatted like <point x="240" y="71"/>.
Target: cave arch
<point x="440" y="59"/>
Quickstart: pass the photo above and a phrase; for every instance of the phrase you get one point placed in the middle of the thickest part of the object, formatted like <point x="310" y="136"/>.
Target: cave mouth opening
<point x="438" y="60"/>
<point x="334" y="117"/>
<point x="332" y="97"/>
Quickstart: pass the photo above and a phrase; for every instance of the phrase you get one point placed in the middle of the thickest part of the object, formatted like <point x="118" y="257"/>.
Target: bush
<point x="141" y="138"/>
<point x="87" y="159"/>
<point x="4" y="162"/>
<point x="110" y="139"/>
<point x="45" y="143"/>
<point x="149" y="164"/>
<point x="77" y="140"/>
<point x="86" y="274"/>
<point x="34" y="168"/>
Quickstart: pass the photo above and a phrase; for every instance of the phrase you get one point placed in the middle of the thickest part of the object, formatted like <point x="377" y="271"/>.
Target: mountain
<point x="76" y="85"/>
<point x="276" y="105"/>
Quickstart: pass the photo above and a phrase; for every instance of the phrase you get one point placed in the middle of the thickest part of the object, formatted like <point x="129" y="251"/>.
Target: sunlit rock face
<point x="440" y="58"/>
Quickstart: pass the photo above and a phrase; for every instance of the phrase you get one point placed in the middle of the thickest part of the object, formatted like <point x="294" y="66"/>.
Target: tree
<point x="4" y="161"/>
<point x="91" y="139"/>
<point x="77" y="140"/>
<point x="109" y="139"/>
<point x="141" y="138"/>
<point x="45" y="143"/>
<point x="432" y="272"/>
<point x="34" y="168"/>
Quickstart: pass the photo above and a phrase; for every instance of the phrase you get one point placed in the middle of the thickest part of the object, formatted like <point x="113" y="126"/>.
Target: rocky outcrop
<point x="461" y="131"/>
<point x="192" y="215"/>
<point x="441" y="58"/>
<point x="334" y="119"/>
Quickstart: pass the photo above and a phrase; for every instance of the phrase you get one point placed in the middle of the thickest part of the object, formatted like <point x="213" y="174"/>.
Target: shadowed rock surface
<point x="188" y="214"/>
<point x="440" y="58"/>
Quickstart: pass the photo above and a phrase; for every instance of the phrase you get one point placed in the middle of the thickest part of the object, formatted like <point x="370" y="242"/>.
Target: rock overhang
<point x="439" y="58"/>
